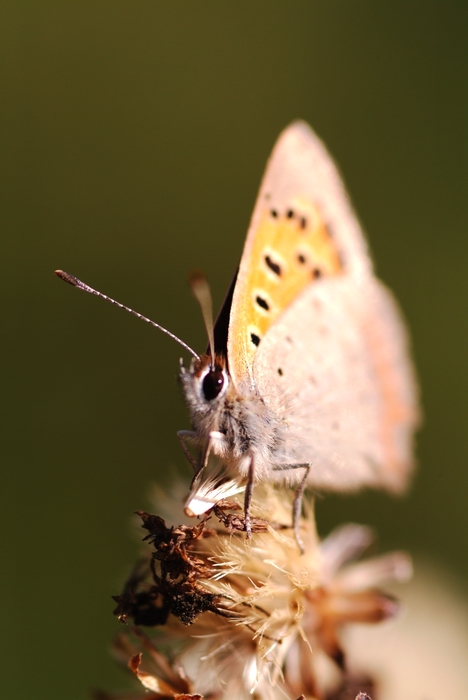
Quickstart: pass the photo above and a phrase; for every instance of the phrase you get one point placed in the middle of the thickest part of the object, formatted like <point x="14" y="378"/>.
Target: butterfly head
<point x="205" y="383"/>
<point x="213" y="381"/>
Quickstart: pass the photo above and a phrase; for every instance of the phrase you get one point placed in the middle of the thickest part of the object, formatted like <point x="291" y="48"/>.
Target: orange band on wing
<point x="291" y="249"/>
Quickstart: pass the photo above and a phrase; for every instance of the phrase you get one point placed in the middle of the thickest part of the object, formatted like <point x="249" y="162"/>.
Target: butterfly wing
<point x="302" y="229"/>
<point x="338" y="359"/>
<point x="313" y="331"/>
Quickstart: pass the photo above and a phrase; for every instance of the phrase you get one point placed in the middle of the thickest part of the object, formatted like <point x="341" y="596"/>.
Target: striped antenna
<point x="75" y="282"/>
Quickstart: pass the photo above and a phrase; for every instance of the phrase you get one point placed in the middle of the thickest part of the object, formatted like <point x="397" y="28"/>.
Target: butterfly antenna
<point x="75" y="282"/>
<point x="201" y="290"/>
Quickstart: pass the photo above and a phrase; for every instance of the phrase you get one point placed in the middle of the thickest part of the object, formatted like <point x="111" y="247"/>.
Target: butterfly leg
<point x="248" y="497"/>
<point x="203" y="454"/>
<point x="298" y="495"/>
<point x="297" y="506"/>
<point x="201" y="462"/>
<point x="188" y="435"/>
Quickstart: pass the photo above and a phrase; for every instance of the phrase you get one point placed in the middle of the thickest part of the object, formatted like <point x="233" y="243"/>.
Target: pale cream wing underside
<point x="300" y="179"/>
<point x="338" y="359"/>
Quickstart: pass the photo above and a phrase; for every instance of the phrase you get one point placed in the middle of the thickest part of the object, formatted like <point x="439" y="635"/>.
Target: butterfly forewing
<point x="302" y="230"/>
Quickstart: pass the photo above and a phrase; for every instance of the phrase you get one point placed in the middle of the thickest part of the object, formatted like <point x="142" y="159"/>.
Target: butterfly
<point x="307" y="378"/>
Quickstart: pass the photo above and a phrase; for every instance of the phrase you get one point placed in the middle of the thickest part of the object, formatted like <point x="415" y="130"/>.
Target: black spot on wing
<point x="274" y="267"/>
<point x="262" y="302"/>
<point x="255" y="339"/>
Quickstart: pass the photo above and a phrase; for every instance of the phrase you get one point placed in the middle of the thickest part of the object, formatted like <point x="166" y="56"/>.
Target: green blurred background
<point x="133" y="139"/>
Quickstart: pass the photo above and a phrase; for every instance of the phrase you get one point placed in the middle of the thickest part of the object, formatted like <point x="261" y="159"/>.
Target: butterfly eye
<point x="213" y="383"/>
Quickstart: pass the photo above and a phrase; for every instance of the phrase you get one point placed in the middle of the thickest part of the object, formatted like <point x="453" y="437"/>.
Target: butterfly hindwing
<point x="337" y="358"/>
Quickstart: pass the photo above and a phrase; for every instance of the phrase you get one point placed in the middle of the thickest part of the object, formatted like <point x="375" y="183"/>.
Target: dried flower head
<point x="240" y="618"/>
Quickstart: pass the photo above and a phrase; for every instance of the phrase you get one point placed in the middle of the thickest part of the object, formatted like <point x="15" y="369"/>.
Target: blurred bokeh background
<point x="133" y="139"/>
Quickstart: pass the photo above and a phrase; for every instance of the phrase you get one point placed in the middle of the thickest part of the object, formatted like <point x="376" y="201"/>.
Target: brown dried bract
<point x="168" y="583"/>
<point x="235" y="522"/>
<point x="175" y="686"/>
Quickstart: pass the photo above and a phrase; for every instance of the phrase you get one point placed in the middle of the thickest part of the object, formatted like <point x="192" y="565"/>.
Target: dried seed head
<point x="254" y="618"/>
